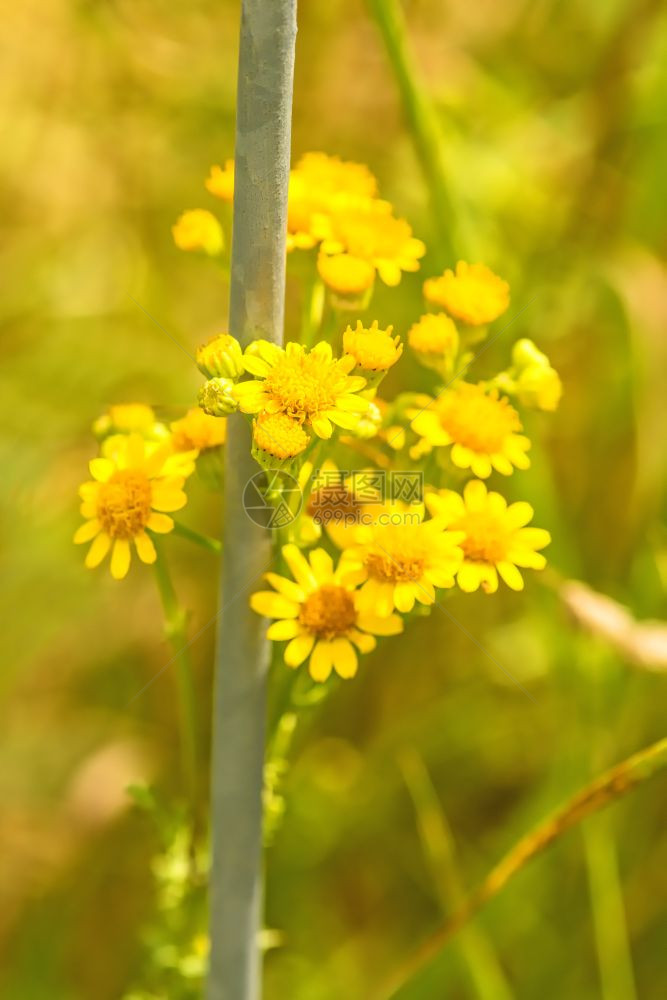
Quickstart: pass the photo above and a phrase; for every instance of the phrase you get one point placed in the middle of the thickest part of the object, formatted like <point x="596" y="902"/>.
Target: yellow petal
<point x="391" y="625"/>
<point x="272" y="605"/>
<point x="286" y="587"/>
<point x="135" y="451"/>
<point x="364" y="643"/>
<point x="120" y="558"/>
<point x="344" y="658"/>
<point x="299" y="649"/>
<point x="166" y="498"/>
<point x="475" y="495"/>
<point x="469" y="577"/>
<point x="322" y="427"/>
<point x="101" y="469"/>
<point x="511" y="575"/>
<point x="300" y="568"/>
<point x="322" y="565"/>
<point x="321" y="660"/>
<point x="145" y="548"/>
<point x="519" y="513"/>
<point x="161" y="524"/>
<point x="281" y="630"/>
<point x="97" y="551"/>
<point x="404" y="597"/>
<point x="86" y="531"/>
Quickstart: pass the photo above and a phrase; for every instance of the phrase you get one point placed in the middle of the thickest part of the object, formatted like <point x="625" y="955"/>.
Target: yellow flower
<point x="369" y="231"/>
<point x="540" y="387"/>
<point x="495" y="541"/>
<point x="317" y="615"/>
<point x="220" y="181"/>
<point x="198" y="229"/>
<point x="309" y="386"/>
<point x="339" y="502"/>
<point x="344" y="274"/>
<point x="123" y="418"/>
<point x="319" y="185"/>
<point x="197" y="431"/>
<point x="130" y="494"/>
<point x="279" y="436"/>
<point x="481" y="427"/>
<point x="373" y="349"/>
<point x="399" y="562"/>
<point x="435" y="340"/>
<point x="220" y="357"/>
<point x="474" y="294"/>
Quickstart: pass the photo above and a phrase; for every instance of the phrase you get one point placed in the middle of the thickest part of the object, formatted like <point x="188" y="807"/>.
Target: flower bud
<point x="525" y="354"/>
<point x="215" y="397"/>
<point x="220" y="357"/>
<point x="369" y="423"/>
<point x="539" y="387"/>
<point x="198" y="229"/>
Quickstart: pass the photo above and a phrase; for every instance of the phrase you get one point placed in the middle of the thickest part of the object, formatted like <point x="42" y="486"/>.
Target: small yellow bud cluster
<point x="536" y="383"/>
<point x="220" y="357"/>
<point x="215" y="397"/>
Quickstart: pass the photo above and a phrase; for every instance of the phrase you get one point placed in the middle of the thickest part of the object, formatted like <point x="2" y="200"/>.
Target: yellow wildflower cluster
<point x="333" y="204"/>
<point x="366" y="548"/>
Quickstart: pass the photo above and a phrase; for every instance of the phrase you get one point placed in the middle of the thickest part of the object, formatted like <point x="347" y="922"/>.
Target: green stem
<point x="176" y="632"/>
<point x="605" y="789"/>
<point x="257" y="296"/>
<point x="205" y="541"/>
<point x="423" y="122"/>
<point x="481" y="961"/>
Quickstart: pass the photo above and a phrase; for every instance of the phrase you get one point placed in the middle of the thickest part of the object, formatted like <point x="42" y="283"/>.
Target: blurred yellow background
<point x="554" y="122"/>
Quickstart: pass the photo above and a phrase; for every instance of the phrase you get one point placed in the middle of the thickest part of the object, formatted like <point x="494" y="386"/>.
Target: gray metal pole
<point x="262" y="156"/>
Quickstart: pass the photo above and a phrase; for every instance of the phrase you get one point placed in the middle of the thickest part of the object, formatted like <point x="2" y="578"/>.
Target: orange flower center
<point x="124" y="503"/>
<point x="328" y="612"/>
<point x="476" y="419"/>
<point x="486" y="537"/>
<point x="391" y="569"/>
<point x="304" y="385"/>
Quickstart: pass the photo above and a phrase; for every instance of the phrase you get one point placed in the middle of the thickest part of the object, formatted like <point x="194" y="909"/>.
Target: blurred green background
<point x="556" y="149"/>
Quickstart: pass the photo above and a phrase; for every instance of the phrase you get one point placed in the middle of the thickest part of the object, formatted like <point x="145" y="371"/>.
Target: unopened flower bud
<point x="525" y="354"/>
<point x="540" y="387"/>
<point x="220" y="357"/>
<point x="215" y="397"/>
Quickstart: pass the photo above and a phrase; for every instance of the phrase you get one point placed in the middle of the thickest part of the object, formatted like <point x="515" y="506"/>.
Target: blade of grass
<point x="605" y="789"/>
<point x="482" y="964"/>
<point x="424" y="125"/>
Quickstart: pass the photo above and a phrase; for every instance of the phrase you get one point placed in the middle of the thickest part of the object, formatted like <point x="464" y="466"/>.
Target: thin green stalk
<point x="176" y="632"/>
<point x="614" y="957"/>
<point x="257" y="294"/>
<point x="481" y="961"/>
<point x="424" y="124"/>
<point x="601" y="685"/>
<point x="605" y="789"/>
<point x="205" y="541"/>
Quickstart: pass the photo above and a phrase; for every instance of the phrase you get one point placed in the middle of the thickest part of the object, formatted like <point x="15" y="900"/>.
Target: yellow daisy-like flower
<point x="318" y="616"/>
<point x="344" y="274"/>
<point x="128" y="495"/>
<point x="474" y="293"/>
<point x="279" y="436"/>
<point x="198" y="229"/>
<point x="369" y="231"/>
<point x="339" y="502"/>
<point x="123" y="418"/>
<point x="435" y="340"/>
<point x="481" y="427"/>
<point x="496" y="540"/>
<point x="197" y="431"/>
<point x="318" y="186"/>
<point x="310" y="386"/>
<point x="400" y="563"/>
<point x="373" y="349"/>
<point x="220" y="181"/>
